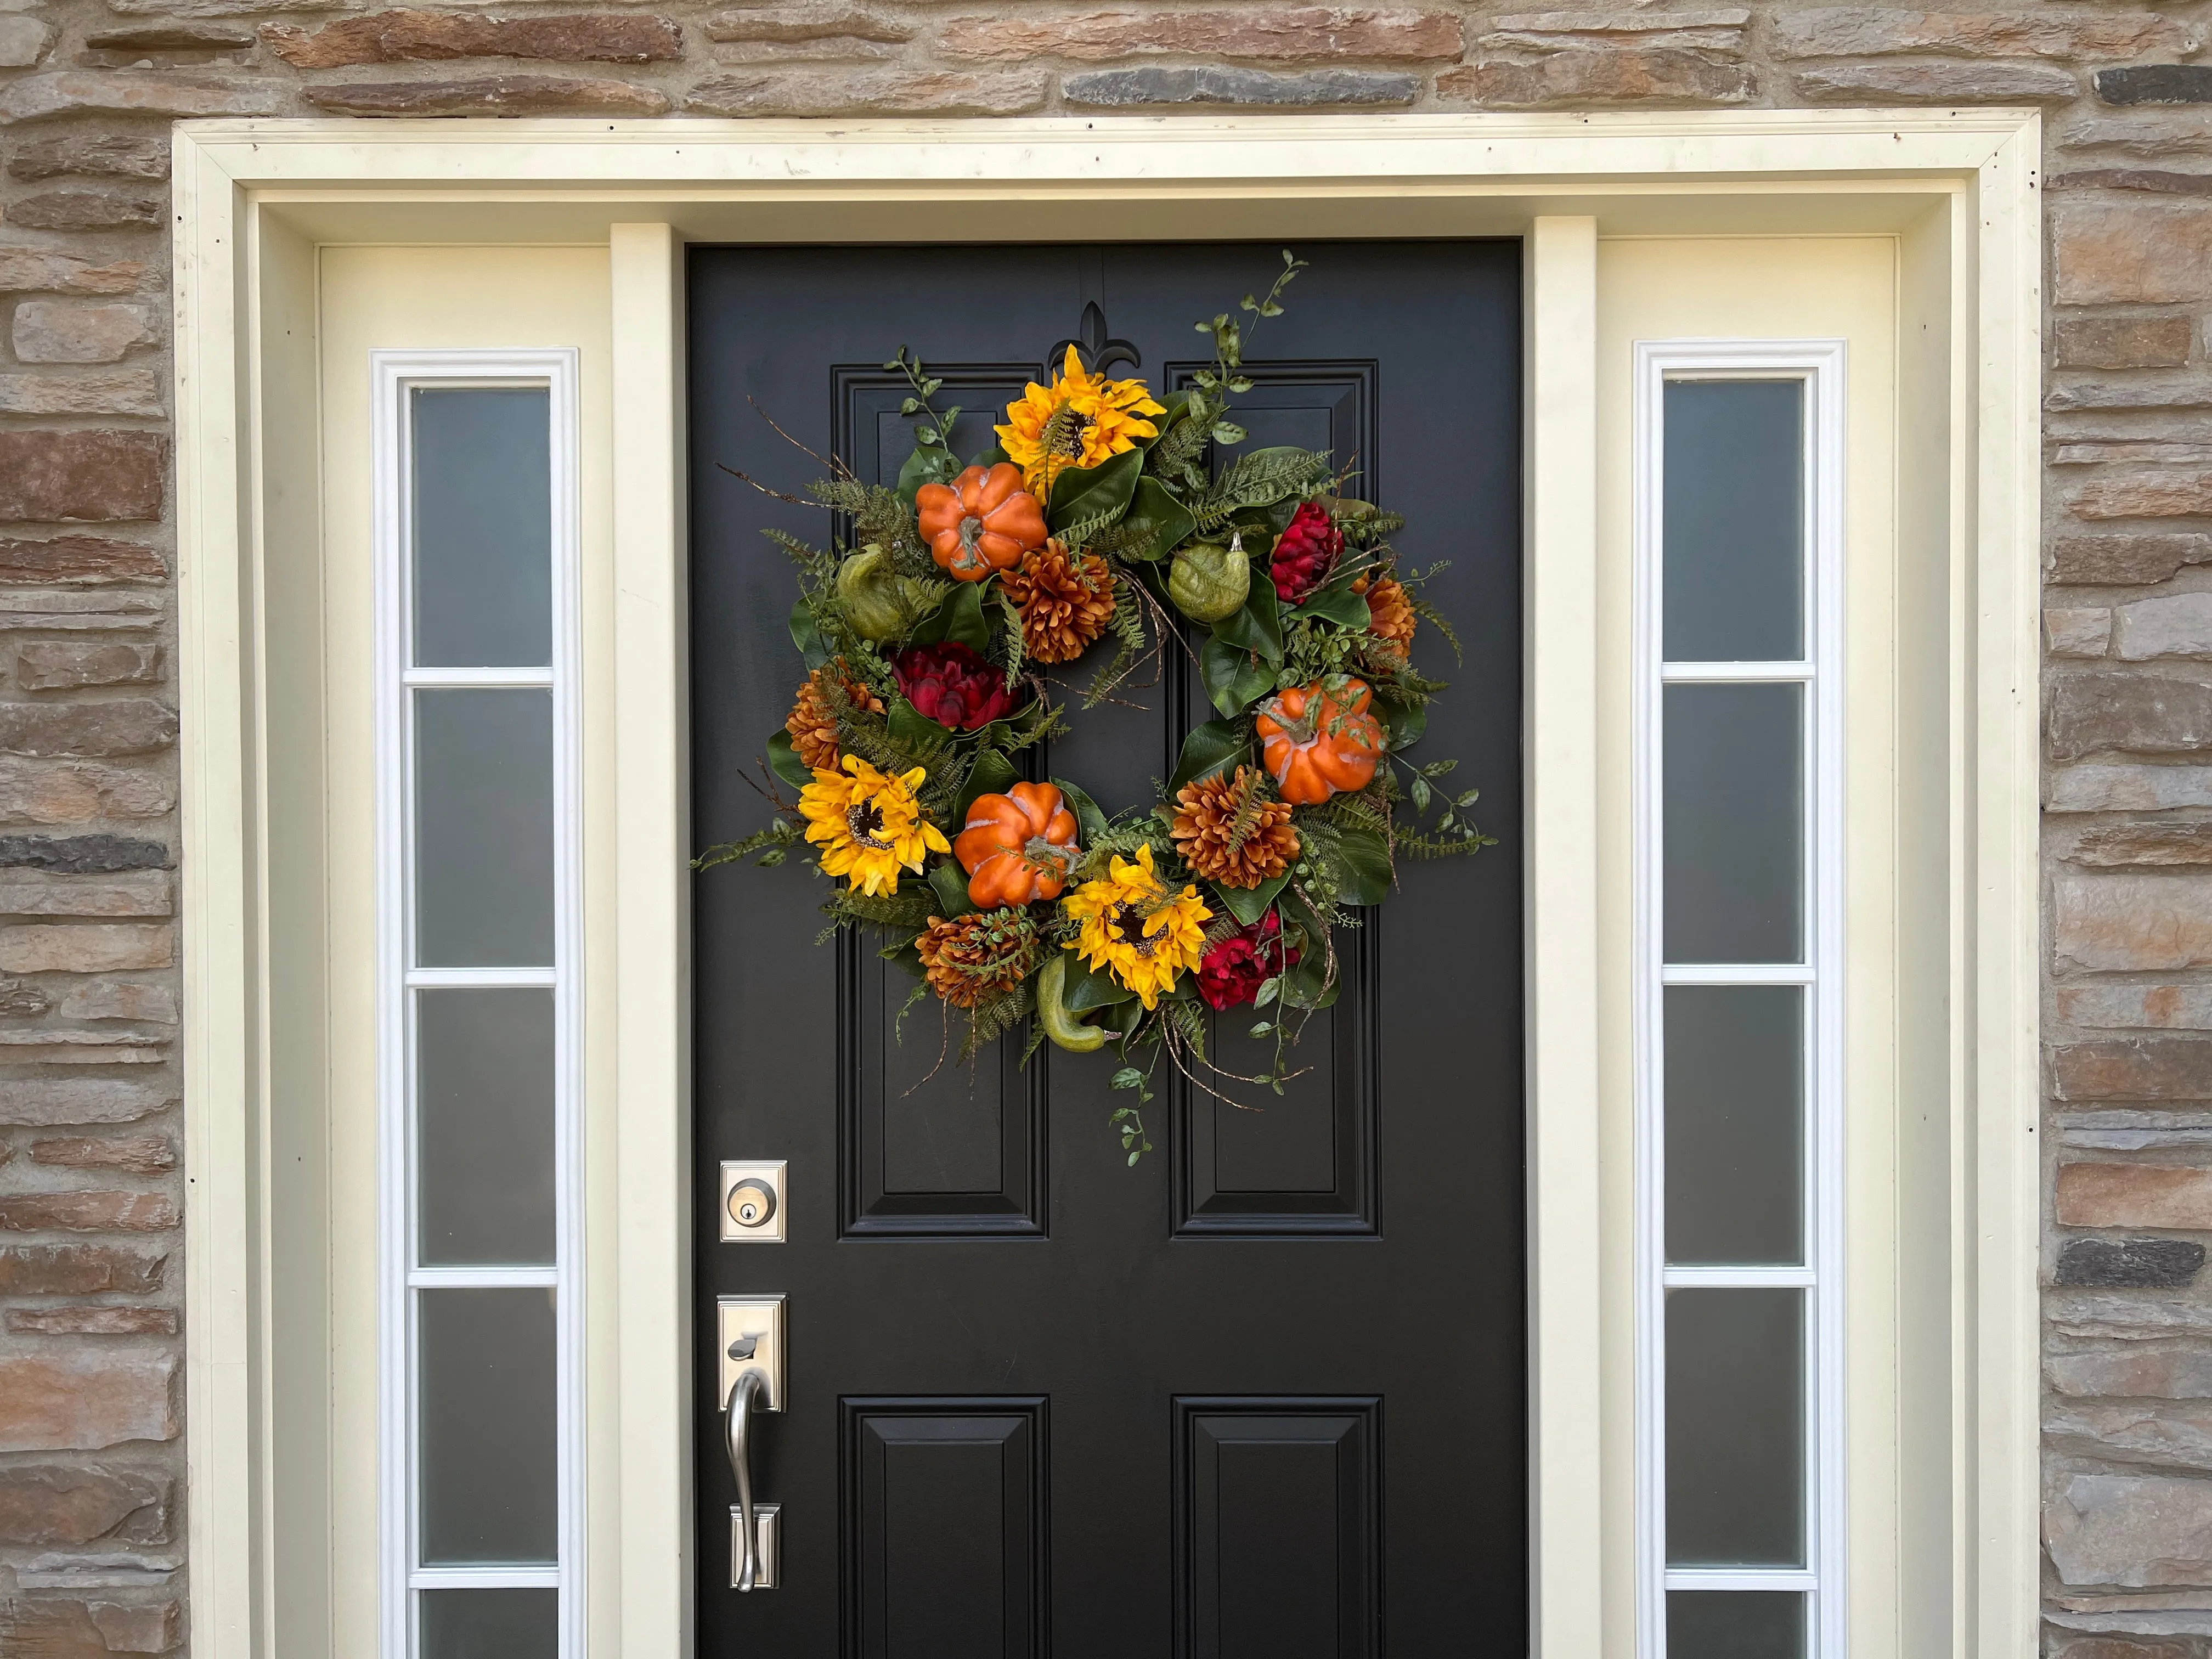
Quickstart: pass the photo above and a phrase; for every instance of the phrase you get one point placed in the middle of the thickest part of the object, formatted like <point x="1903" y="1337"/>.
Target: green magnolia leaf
<point x="783" y="760"/>
<point x="992" y="773"/>
<point x="960" y="618"/>
<point x="1091" y="822"/>
<point x="807" y="637"/>
<point x="950" y="883"/>
<point x="1233" y="679"/>
<point x="989" y="459"/>
<point x="1407" y="721"/>
<point x="1259" y="626"/>
<point x="910" y="725"/>
<point x="928" y="465"/>
<point x="1168" y="520"/>
<point x="1303" y="985"/>
<point x="905" y="955"/>
<point x="1304" y="982"/>
<point x="930" y="631"/>
<point x="1214" y="747"/>
<point x="1363" y="875"/>
<point x="1089" y="989"/>
<point x="1335" y="603"/>
<point x="1248" y="904"/>
<point x="1093" y="492"/>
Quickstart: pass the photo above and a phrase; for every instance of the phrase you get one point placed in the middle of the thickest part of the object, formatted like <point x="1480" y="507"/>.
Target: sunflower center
<point x="863" y="821"/>
<point x="1063" y="433"/>
<point x="1129" y="917"/>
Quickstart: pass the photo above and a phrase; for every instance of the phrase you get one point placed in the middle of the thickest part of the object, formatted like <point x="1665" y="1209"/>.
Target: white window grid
<point x="1820" y="364"/>
<point x="394" y="374"/>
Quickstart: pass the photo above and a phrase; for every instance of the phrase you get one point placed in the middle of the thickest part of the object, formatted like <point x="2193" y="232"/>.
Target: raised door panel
<point x="1249" y="1163"/>
<point x="944" y="1529"/>
<point x="1279" y="1528"/>
<point x="933" y="1146"/>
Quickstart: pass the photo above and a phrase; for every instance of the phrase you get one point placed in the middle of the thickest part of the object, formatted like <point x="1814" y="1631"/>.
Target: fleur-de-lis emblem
<point x="1097" y="352"/>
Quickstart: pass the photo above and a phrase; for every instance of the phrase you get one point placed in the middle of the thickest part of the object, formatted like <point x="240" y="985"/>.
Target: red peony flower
<point x="1231" y="974"/>
<point x="1306" y="553"/>
<point x="953" y="685"/>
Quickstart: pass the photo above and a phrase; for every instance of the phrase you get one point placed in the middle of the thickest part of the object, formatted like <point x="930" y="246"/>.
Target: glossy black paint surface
<point x="1262" y="1396"/>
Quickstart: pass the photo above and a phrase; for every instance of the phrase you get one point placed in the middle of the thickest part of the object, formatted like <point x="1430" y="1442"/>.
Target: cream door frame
<point x="253" y="200"/>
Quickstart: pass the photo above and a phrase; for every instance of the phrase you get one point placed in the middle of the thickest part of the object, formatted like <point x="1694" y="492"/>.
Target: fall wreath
<point x="1109" y="517"/>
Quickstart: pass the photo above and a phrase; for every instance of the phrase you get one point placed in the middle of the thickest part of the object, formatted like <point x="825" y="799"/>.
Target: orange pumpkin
<point x="980" y="522"/>
<point x="998" y="848"/>
<point x="1316" y="740"/>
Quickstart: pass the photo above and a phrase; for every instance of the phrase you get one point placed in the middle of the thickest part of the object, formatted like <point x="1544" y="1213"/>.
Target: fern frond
<point x="992" y="1018"/>
<point x="1436" y="619"/>
<point x="1131" y="644"/>
<point x="1259" y="479"/>
<point x="1017" y="646"/>
<point x="1250" y="799"/>
<point x="1187" y="1023"/>
<point x="906" y="908"/>
<point x="1077" y="536"/>
<point x="814" y="561"/>
<point x="1178" y="449"/>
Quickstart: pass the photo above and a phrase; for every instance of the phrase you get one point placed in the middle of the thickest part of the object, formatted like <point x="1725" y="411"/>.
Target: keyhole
<point x="751" y="1203"/>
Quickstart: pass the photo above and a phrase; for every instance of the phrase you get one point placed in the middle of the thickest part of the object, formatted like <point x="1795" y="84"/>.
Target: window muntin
<point x="479" y="907"/>
<point x="1738" y="759"/>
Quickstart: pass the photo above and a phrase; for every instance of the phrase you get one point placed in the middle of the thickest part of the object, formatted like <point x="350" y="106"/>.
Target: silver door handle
<point x="737" y="1428"/>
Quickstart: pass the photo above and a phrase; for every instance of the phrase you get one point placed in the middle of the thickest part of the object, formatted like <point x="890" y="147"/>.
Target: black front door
<point x="1261" y="1395"/>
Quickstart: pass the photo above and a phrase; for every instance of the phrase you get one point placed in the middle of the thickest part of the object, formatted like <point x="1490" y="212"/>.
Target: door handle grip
<point x="737" y="1431"/>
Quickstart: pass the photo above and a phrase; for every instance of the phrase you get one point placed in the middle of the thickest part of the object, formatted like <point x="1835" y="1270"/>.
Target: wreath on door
<point x="1107" y="519"/>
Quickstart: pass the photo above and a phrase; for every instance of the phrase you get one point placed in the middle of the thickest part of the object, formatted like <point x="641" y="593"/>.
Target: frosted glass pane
<point x="1735" y="1625"/>
<point x="486" y="1410"/>
<point x="484" y="829"/>
<point x="490" y="1623"/>
<point x="1735" y="1428"/>
<point x="1733" y="808"/>
<point x="1732" y="552"/>
<point x="484" y="1117"/>
<point x="483" y="527"/>
<point x="1734" y="1115"/>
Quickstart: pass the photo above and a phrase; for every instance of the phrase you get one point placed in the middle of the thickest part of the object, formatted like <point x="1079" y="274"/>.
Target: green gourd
<point x="1208" y="582"/>
<point x="1062" y="1027"/>
<point x="880" y="604"/>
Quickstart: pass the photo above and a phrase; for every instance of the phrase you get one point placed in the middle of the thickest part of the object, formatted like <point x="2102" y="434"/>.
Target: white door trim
<point x="253" y="199"/>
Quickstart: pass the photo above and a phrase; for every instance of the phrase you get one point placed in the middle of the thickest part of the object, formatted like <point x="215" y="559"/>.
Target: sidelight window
<point x="1738" y="998"/>
<point x="478" y="978"/>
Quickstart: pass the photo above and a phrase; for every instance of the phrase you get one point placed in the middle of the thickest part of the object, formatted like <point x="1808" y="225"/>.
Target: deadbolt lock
<point x="752" y="1203"/>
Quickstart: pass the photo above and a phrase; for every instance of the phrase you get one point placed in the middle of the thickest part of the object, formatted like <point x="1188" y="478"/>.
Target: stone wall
<point x="90" y="1461"/>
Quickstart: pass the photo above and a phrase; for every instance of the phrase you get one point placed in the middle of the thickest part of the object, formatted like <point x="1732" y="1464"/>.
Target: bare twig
<point x="796" y="500"/>
<point x="835" y="466"/>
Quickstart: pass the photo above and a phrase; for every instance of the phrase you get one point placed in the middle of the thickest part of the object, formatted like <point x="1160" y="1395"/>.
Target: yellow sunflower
<point x="1133" y="928"/>
<point x="869" y="826"/>
<point x="1079" y="420"/>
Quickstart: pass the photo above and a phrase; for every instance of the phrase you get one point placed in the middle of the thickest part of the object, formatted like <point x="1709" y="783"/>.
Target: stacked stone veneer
<point x="91" y="1488"/>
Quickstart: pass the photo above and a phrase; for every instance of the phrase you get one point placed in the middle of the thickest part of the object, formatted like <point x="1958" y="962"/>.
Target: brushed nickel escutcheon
<point x="749" y="1337"/>
<point x="749" y="1333"/>
<point x="753" y="1202"/>
<point x="768" y="1539"/>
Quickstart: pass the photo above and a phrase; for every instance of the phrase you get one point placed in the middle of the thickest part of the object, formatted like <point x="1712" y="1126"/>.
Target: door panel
<point x="1039" y="1401"/>
<point x="1278" y="1531"/>
<point x="945" y="1507"/>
